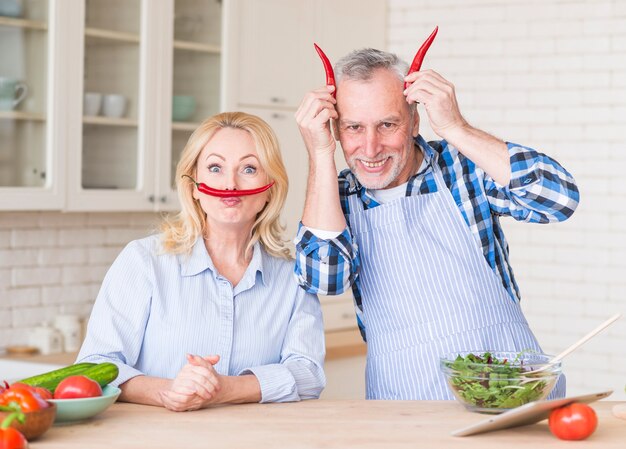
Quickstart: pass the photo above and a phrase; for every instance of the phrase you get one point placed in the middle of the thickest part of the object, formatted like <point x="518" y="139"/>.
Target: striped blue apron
<point x="428" y="291"/>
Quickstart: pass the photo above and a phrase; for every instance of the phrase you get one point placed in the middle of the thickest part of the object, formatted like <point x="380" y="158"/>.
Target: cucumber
<point x="103" y="373"/>
<point x="51" y="379"/>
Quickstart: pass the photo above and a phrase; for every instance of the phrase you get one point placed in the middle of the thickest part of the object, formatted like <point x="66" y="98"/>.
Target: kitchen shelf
<point x="109" y="121"/>
<point x="184" y="126"/>
<point x="24" y="23"/>
<point x="118" y="36"/>
<point x="19" y="115"/>
<point x="197" y="46"/>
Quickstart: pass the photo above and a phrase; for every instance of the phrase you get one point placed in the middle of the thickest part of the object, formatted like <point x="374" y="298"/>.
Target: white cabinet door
<point x="109" y="165"/>
<point x="153" y="71"/>
<point x="272" y="41"/>
<point x="267" y="54"/>
<point x="115" y="89"/>
<point x="346" y="25"/>
<point x="31" y="81"/>
<point x="192" y="77"/>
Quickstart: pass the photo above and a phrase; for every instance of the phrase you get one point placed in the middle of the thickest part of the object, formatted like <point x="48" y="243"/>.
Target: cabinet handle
<point x="151" y="198"/>
<point x="277" y="100"/>
<point x="276" y="115"/>
<point x="163" y="199"/>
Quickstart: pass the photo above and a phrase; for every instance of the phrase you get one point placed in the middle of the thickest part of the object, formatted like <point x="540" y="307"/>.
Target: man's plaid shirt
<point x="540" y="191"/>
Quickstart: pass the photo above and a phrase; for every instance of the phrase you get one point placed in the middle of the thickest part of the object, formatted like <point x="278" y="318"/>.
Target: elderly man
<point x="414" y="226"/>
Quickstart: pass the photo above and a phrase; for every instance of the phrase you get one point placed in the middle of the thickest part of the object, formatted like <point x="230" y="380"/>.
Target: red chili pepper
<point x="202" y="187"/>
<point x="328" y="68"/>
<point x="419" y="56"/>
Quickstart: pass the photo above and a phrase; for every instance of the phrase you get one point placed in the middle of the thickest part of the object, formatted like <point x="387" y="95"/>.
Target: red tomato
<point x="12" y="439"/>
<point x="73" y="387"/>
<point x="573" y="422"/>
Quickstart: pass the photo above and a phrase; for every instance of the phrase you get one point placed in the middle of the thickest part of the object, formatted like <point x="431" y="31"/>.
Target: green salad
<point x="485" y="382"/>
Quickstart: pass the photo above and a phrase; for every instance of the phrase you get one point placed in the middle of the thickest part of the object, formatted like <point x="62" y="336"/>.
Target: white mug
<point x="114" y="105"/>
<point x="92" y="103"/>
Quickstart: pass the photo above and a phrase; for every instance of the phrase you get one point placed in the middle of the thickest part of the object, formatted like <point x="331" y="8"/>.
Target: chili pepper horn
<point x="419" y="56"/>
<point x="328" y="68"/>
<point x="202" y="187"/>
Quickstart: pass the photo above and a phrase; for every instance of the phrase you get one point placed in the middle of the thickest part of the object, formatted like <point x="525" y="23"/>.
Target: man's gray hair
<point x="360" y="64"/>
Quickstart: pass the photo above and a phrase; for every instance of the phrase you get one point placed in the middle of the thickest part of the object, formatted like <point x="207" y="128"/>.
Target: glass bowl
<point x="496" y="381"/>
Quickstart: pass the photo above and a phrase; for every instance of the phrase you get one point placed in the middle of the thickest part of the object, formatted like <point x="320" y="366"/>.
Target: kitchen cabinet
<point x="275" y="37"/>
<point x="127" y="83"/>
<point x="31" y="93"/>
<point x="273" y="64"/>
<point x="272" y="58"/>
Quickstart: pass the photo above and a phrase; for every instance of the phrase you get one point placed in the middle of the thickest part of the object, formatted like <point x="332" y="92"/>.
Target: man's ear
<point x="416" y="122"/>
<point x="335" y="128"/>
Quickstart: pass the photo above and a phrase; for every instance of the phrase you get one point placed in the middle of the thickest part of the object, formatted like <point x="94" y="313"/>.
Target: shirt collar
<point x="199" y="260"/>
<point x="355" y="186"/>
<point x="429" y="152"/>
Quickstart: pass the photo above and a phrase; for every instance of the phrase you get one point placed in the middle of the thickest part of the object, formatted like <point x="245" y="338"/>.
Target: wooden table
<point x="313" y="424"/>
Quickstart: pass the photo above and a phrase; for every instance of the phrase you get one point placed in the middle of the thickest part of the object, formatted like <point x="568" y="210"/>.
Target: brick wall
<point x="52" y="263"/>
<point x="549" y="74"/>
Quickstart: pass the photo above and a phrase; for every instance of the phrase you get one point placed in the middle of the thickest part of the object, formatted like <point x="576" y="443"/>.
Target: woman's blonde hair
<point x="181" y="232"/>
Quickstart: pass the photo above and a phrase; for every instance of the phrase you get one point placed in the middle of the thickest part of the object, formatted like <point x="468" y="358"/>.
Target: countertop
<point x="339" y="344"/>
<point x="313" y="424"/>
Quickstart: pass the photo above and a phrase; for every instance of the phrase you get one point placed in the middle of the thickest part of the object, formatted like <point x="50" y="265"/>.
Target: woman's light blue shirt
<point x="154" y="308"/>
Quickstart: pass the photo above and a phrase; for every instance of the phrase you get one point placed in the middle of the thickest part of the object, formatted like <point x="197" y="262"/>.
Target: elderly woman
<point x="207" y="311"/>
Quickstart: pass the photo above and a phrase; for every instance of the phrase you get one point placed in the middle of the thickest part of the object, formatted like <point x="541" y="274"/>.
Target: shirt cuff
<point x="276" y="381"/>
<point x="525" y="170"/>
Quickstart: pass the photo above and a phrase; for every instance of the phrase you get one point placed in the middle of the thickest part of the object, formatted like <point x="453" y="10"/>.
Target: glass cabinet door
<point x="195" y="72"/>
<point x="110" y="147"/>
<point x="24" y="153"/>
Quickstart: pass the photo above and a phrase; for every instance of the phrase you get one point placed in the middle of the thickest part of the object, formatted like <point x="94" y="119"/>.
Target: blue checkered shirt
<point x="540" y="191"/>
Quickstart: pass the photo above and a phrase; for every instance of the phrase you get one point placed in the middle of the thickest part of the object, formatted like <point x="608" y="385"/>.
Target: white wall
<point x="550" y="74"/>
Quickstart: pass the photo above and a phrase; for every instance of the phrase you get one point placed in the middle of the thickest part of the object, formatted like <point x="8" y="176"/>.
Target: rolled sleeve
<point x="540" y="189"/>
<point x="325" y="266"/>
<point x="300" y="373"/>
<point x="118" y="320"/>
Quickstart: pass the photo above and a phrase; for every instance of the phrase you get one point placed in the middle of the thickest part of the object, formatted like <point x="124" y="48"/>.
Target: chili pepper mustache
<point x="328" y="68"/>
<point x="202" y="187"/>
<point x="419" y="56"/>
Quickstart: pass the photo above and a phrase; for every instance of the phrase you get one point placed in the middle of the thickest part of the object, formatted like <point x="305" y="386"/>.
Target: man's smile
<point x="374" y="164"/>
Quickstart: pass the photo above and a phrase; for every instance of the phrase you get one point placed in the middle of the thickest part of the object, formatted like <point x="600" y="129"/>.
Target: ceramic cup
<point x="114" y="105"/>
<point x="12" y="93"/>
<point x="92" y="102"/>
<point x="11" y="8"/>
<point x="183" y="107"/>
